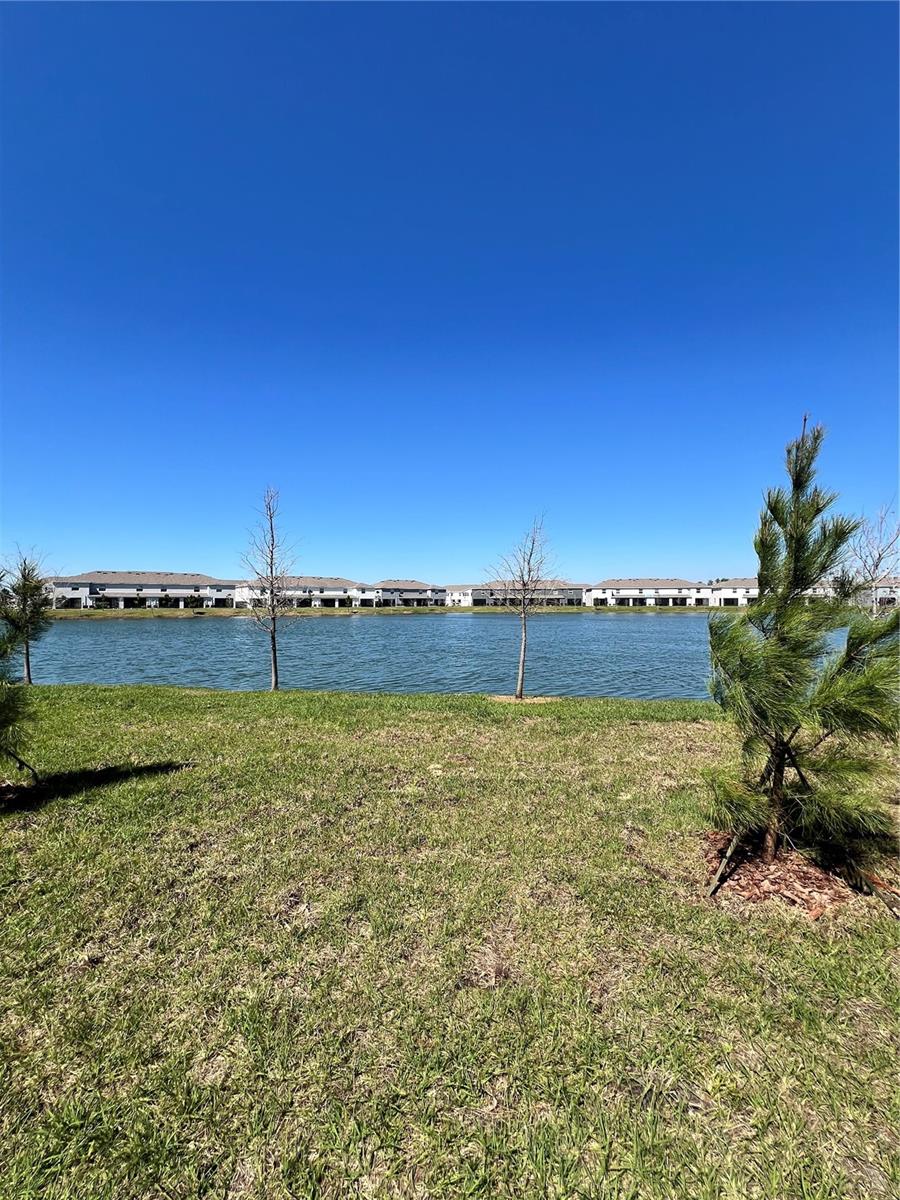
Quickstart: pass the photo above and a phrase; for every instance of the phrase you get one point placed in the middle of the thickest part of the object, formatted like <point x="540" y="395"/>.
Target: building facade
<point x="141" y="589"/>
<point x="649" y="593"/>
<point x="316" y="591"/>
<point x="397" y="593"/>
<point x="554" y="593"/>
<point x="305" y="591"/>
<point x="887" y="592"/>
<point x="734" y="593"/>
<point x="172" y="589"/>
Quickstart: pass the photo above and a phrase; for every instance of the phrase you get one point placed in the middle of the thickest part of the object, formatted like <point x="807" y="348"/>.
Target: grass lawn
<point x="314" y="945"/>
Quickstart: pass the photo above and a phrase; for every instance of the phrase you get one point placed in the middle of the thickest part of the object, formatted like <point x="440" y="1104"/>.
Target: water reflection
<point x="575" y="654"/>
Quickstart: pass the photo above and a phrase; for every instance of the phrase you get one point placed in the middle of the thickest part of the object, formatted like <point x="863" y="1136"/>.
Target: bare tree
<point x="520" y="575"/>
<point x="874" y="554"/>
<point x="269" y="563"/>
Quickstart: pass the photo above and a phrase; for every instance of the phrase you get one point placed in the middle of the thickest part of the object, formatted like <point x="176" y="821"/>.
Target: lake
<point x="641" y="655"/>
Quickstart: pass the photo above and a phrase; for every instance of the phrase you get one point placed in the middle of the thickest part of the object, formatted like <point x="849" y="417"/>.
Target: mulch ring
<point x="792" y="878"/>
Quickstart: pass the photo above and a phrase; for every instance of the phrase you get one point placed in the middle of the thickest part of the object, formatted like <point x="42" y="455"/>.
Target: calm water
<point x="576" y="654"/>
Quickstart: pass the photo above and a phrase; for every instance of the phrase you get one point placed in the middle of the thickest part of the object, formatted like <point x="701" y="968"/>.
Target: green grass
<point x="416" y="947"/>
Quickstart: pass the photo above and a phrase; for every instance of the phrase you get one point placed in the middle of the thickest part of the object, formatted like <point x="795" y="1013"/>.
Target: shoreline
<point x="143" y="614"/>
<point x="686" y="704"/>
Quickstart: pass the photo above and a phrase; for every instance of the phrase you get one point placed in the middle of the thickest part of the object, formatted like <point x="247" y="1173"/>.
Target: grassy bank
<point x="100" y="614"/>
<point x="331" y="945"/>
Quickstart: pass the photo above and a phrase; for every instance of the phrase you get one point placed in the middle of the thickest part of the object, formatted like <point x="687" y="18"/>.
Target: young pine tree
<point x="810" y="707"/>
<point x="24" y="605"/>
<point x="14" y="708"/>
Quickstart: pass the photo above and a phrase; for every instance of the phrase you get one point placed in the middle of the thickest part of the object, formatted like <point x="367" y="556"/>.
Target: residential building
<point x="887" y="593"/>
<point x="459" y="595"/>
<point x="160" y="589"/>
<point x="552" y="592"/>
<point x="395" y="593"/>
<point x="307" y="591"/>
<point x="734" y="593"/>
<point x="648" y="593"/>
<point x="141" y="589"/>
<point x="319" y="591"/>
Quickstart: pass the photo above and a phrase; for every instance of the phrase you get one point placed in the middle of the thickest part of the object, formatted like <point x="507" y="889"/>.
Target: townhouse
<point x="887" y="592"/>
<point x="648" y="593"/>
<point x="733" y="593"/>
<point x="304" y="591"/>
<point x="315" y="591"/>
<point x="141" y="589"/>
<point x="396" y="593"/>
<point x="173" y="589"/>
<point x="551" y="592"/>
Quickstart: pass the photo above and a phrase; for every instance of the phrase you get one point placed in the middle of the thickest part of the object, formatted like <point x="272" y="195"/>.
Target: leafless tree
<point x="268" y="562"/>
<point x="520" y="576"/>
<point x="875" y="553"/>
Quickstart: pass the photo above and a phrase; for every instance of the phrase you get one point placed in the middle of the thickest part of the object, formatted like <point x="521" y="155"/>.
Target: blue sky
<point x="432" y="269"/>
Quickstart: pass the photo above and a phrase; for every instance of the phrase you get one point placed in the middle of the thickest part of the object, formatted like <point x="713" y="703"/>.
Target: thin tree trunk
<point x="273" y="644"/>
<point x="776" y="809"/>
<point x="520" y="681"/>
<point x="24" y="766"/>
<point x="26" y="660"/>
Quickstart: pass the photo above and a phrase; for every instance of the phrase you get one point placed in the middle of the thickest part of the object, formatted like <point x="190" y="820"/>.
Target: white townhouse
<point x="734" y="593"/>
<point x="459" y="595"/>
<point x="397" y="593"/>
<point x="321" y="591"/>
<point x="552" y="592"/>
<point x="887" y="593"/>
<point x="648" y="593"/>
<point x="683" y="593"/>
<point x="307" y="591"/>
<point x="141" y="589"/>
<point x="739" y="592"/>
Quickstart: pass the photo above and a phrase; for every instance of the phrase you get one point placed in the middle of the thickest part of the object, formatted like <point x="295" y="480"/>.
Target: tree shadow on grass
<point x="26" y="797"/>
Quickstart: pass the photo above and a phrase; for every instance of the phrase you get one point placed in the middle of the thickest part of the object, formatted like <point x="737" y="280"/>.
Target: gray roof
<point x="748" y="582"/>
<point x="331" y="581"/>
<point x="144" y="578"/>
<point x="648" y="583"/>
<point x="407" y="585"/>
<point x="313" y="581"/>
<point x="544" y="585"/>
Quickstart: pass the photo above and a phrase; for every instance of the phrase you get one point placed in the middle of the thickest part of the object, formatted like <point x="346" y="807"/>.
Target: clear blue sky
<point x="433" y="269"/>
